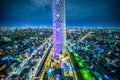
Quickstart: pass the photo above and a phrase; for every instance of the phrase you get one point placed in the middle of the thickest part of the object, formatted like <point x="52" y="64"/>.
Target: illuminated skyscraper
<point x="59" y="26"/>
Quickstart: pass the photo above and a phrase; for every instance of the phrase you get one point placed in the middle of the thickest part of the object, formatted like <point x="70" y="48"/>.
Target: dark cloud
<point x="25" y="12"/>
<point x="93" y="11"/>
<point x="38" y="12"/>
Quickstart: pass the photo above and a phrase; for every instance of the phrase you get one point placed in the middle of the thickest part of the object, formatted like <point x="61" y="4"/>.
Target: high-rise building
<point x="59" y="26"/>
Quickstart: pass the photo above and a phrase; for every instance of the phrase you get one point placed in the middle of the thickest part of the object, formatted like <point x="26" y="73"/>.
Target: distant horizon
<point x="45" y="26"/>
<point x="67" y="25"/>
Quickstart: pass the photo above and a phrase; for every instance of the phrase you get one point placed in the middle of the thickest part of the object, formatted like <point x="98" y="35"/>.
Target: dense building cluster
<point x="100" y="49"/>
<point x="17" y="45"/>
<point x="92" y="54"/>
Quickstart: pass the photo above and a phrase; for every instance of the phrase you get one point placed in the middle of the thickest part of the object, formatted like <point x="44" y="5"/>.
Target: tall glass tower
<point x="59" y="26"/>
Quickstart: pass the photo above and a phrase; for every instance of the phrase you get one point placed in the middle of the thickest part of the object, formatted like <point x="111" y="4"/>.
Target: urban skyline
<point x="32" y="49"/>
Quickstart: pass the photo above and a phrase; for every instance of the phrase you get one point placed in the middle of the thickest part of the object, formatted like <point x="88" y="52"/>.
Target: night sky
<point x="78" y="12"/>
